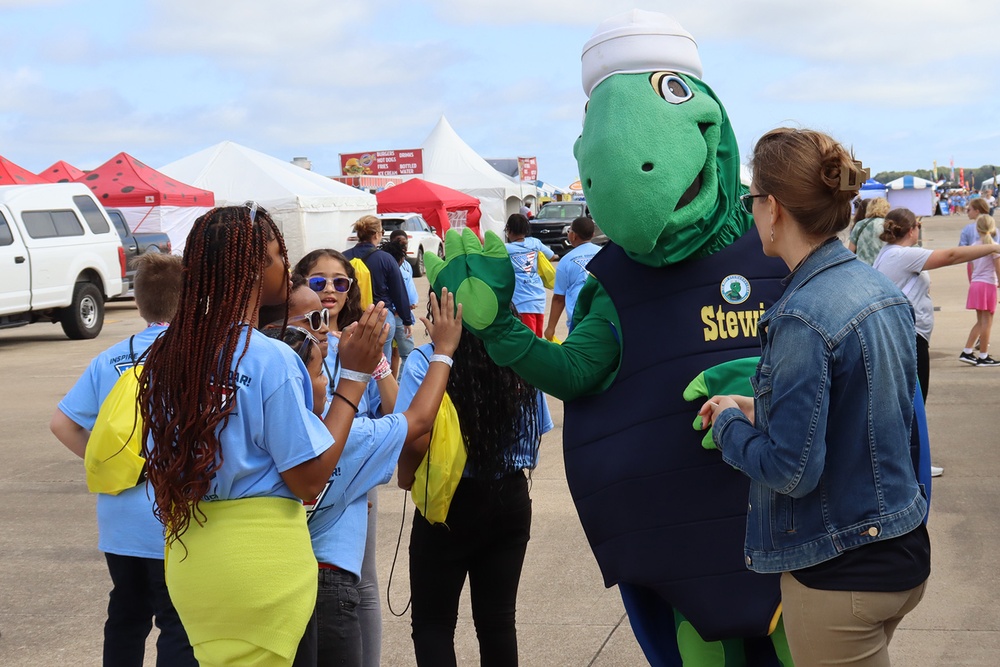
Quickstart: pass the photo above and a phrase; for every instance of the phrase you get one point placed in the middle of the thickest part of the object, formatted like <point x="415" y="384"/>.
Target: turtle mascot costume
<point x="669" y="315"/>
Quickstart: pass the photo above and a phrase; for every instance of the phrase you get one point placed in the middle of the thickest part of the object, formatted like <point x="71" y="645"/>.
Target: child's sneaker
<point x="968" y="358"/>
<point x="987" y="361"/>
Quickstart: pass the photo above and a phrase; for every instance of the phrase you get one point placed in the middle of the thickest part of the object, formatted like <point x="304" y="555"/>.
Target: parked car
<point x="60" y="258"/>
<point x="553" y="221"/>
<point x="136" y="244"/>
<point x="422" y="238"/>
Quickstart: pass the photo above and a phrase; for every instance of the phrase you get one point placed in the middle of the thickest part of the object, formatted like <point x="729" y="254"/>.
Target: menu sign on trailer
<point x="383" y="163"/>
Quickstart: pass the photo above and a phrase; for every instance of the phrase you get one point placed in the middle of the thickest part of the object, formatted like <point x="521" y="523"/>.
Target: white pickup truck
<point x="60" y="258"/>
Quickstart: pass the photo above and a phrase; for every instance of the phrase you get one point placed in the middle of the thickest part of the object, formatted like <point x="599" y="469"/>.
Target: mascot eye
<point x="584" y="119"/>
<point x="671" y="87"/>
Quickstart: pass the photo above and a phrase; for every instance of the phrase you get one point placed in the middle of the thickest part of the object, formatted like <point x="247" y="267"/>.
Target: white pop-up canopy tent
<point x="916" y="194"/>
<point x="450" y="161"/>
<point x="311" y="210"/>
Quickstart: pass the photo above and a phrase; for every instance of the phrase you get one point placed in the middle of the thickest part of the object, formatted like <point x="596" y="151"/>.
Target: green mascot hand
<point x="731" y="377"/>
<point x="480" y="276"/>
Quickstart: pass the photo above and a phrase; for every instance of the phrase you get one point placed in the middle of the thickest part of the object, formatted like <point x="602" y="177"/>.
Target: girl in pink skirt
<point x="983" y="296"/>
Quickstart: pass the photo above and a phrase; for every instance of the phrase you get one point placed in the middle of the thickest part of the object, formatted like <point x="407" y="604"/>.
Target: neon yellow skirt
<point x="248" y="574"/>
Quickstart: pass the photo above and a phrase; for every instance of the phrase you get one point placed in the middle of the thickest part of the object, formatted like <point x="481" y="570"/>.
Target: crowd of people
<point x="271" y="413"/>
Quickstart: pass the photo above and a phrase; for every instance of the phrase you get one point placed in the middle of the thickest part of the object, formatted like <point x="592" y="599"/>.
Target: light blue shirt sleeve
<point x="411" y="289"/>
<point x="412" y="375"/>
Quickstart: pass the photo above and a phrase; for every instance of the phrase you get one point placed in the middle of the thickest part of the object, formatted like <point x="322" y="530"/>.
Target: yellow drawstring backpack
<point x="113" y="459"/>
<point x="439" y="473"/>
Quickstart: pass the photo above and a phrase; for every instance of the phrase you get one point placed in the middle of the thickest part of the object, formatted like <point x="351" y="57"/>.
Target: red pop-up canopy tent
<point x="61" y="172"/>
<point x="12" y="174"/>
<point x="150" y="201"/>
<point x="441" y="207"/>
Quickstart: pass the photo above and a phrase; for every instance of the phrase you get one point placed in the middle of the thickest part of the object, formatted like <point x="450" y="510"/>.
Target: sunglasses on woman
<point x="747" y="201"/>
<point x="315" y="318"/>
<point x="340" y="283"/>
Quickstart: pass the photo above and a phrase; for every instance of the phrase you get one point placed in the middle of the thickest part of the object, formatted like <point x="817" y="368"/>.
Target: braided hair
<point x="494" y="405"/>
<point x="185" y="393"/>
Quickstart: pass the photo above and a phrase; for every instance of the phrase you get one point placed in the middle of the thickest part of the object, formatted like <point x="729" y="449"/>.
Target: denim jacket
<point x="828" y="457"/>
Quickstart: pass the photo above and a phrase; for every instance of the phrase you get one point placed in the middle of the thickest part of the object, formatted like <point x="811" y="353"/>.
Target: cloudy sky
<point x="903" y="82"/>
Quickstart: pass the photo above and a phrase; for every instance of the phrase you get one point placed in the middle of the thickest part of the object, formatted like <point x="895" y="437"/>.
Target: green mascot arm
<point x="482" y="278"/>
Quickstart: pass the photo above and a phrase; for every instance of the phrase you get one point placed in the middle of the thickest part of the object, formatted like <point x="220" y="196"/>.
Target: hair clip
<point x="849" y="180"/>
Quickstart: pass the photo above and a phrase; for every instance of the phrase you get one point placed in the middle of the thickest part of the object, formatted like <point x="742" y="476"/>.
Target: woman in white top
<point x="907" y="265"/>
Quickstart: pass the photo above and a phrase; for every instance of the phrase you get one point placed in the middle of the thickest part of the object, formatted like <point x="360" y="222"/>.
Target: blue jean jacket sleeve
<point x="786" y="449"/>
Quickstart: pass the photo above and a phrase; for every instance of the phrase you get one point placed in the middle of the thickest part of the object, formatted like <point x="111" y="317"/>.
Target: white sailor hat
<point x="638" y="41"/>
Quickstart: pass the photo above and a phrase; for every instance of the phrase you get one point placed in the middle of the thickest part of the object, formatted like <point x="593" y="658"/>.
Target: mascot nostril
<point x="589" y="183"/>
<point x="647" y="166"/>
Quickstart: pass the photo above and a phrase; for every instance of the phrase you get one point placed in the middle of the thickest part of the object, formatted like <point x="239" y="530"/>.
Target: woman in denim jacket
<point x="834" y="501"/>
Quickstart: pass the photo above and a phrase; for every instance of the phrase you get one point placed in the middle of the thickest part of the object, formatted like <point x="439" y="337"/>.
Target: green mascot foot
<point x="480" y="276"/>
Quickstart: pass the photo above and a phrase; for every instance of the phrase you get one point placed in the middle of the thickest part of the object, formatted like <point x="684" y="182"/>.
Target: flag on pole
<point x="952" y="163"/>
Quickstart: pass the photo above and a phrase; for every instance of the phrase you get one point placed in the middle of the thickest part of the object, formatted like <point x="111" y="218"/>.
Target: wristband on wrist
<point x="355" y="376"/>
<point x="383" y="370"/>
<point x="443" y="358"/>
<point x="337" y="394"/>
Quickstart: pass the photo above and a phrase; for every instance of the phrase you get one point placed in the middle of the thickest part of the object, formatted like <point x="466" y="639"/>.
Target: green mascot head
<point x="658" y="158"/>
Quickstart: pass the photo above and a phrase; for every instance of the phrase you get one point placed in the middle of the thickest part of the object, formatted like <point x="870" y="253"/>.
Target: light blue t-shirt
<point x="338" y="519"/>
<point x="411" y="289"/>
<point x="125" y="523"/>
<point x="529" y="293"/>
<point x="413" y="374"/>
<point x="272" y="428"/>
<point x="370" y="403"/>
<point x="571" y="274"/>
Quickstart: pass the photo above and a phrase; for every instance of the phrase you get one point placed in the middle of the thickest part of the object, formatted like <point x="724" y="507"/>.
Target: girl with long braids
<point x="485" y="535"/>
<point x="232" y="448"/>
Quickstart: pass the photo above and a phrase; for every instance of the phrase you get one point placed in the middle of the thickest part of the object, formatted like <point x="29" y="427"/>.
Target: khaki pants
<point x="842" y="627"/>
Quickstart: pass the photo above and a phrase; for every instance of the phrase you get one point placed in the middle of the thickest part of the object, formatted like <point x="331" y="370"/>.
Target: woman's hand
<point x="713" y="406"/>
<point x="361" y="343"/>
<point x="445" y="325"/>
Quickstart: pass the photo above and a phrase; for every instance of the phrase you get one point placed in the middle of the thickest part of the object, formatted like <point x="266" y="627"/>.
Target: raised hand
<point x="445" y="325"/>
<point x="361" y="343"/>
<point x="479" y="275"/>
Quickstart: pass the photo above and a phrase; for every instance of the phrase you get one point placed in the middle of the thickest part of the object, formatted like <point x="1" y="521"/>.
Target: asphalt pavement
<point x="54" y="582"/>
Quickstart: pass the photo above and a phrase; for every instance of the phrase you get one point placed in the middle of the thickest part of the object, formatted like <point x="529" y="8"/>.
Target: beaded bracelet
<point x="337" y="394"/>
<point x="382" y="370"/>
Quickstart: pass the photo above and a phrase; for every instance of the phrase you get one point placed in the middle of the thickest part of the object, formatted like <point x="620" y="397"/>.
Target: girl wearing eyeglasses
<point x="232" y="448"/>
<point x="330" y="275"/>
<point x="835" y="505"/>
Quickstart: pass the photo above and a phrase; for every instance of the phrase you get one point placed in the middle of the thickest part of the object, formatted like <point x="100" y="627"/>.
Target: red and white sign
<point x="383" y="163"/>
<point x="528" y="168"/>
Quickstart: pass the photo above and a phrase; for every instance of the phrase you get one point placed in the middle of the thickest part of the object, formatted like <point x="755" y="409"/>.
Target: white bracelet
<point x="355" y="376"/>
<point x="443" y="358"/>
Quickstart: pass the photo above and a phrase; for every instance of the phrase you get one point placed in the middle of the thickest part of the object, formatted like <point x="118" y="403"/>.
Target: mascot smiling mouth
<point x="689" y="194"/>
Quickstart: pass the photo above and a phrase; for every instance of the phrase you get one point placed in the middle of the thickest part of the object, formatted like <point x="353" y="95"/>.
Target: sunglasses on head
<point x="300" y="340"/>
<point x="340" y="283"/>
<point x="315" y="318"/>
<point x="252" y="205"/>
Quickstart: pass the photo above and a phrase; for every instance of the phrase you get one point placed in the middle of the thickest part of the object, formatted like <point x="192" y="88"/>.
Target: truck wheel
<point x="418" y="268"/>
<point x="84" y="318"/>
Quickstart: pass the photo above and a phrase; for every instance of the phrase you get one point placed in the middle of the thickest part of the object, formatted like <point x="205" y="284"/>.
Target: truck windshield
<point x="560" y="212"/>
